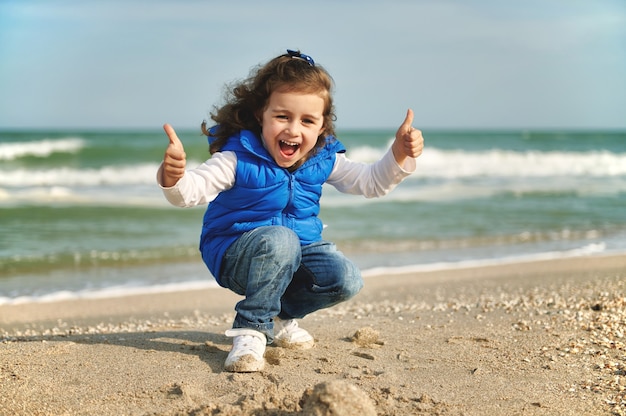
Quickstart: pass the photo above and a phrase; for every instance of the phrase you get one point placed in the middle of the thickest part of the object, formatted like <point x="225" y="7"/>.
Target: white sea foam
<point x="40" y="148"/>
<point x="69" y="177"/>
<point x="111" y="292"/>
<point x="440" y="175"/>
<point x="505" y="164"/>
<point x="588" y="250"/>
<point x="434" y="163"/>
<point x="88" y="177"/>
<point x="456" y="164"/>
<point x="147" y="196"/>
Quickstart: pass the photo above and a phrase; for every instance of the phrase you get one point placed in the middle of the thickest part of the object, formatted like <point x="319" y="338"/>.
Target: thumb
<point x="171" y="134"/>
<point x="408" y="120"/>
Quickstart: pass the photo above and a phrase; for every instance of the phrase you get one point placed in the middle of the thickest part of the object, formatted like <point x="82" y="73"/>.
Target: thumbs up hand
<point x="409" y="141"/>
<point x="175" y="160"/>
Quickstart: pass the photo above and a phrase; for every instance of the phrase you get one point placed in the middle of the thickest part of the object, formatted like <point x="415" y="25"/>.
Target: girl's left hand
<point x="409" y="141"/>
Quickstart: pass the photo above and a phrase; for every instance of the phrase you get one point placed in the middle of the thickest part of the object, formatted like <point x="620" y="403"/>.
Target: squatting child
<point x="273" y="146"/>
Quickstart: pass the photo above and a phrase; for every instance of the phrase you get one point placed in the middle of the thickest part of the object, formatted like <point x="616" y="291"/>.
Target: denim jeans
<point x="279" y="277"/>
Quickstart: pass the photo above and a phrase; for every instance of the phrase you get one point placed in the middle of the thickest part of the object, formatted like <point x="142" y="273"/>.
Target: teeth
<point x="289" y="143"/>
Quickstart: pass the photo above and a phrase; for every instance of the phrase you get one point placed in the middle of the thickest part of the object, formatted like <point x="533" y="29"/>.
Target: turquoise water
<point x="80" y="212"/>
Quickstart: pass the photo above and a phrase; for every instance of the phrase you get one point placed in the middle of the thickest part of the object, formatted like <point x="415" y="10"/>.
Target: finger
<point x="175" y="158"/>
<point x="173" y="163"/>
<point x="415" y="145"/>
<point x="171" y="134"/>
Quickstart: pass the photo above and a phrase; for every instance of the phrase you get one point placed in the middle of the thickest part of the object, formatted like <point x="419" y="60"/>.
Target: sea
<point x="82" y="217"/>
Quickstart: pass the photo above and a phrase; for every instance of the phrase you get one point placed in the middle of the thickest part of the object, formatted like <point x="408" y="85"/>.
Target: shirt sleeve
<point x="370" y="180"/>
<point x="201" y="185"/>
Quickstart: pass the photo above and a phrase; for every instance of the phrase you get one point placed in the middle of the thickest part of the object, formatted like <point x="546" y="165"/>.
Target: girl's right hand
<point x="175" y="160"/>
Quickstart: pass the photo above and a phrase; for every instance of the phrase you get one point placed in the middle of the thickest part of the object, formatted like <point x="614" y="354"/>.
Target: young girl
<point x="273" y="147"/>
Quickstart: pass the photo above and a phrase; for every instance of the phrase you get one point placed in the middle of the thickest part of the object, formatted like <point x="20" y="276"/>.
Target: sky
<point x="459" y="64"/>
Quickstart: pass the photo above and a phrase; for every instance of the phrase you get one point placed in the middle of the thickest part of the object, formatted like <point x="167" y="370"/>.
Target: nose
<point x="293" y="129"/>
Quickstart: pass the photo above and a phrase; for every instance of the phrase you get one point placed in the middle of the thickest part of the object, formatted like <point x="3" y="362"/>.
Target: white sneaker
<point x="247" y="353"/>
<point x="288" y="334"/>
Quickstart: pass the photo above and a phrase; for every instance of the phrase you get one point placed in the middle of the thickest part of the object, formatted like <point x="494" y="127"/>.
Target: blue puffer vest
<point x="265" y="194"/>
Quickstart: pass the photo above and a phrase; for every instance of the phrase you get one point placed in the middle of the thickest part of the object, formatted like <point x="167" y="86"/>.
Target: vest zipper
<point x="287" y="217"/>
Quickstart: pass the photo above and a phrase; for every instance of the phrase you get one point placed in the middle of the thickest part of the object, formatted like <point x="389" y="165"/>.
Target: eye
<point x="281" y="117"/>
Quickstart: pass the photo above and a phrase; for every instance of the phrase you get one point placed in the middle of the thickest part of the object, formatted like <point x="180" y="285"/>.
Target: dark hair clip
<point x="297" y="54"/>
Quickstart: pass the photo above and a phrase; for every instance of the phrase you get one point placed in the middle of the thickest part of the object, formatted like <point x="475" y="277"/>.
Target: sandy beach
<point x="541" y="338"/>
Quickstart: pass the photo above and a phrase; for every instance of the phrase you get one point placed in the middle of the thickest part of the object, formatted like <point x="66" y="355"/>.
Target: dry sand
<point x="544" y="338"/>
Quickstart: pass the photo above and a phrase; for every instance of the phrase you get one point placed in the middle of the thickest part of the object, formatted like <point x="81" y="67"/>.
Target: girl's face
<point x="291" y="124"/>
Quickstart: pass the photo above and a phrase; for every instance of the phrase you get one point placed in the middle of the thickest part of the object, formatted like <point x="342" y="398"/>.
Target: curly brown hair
<point x="246" y="100"/>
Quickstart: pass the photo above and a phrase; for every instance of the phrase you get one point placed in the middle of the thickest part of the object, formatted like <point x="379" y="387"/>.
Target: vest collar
<point x="248" y="141"/>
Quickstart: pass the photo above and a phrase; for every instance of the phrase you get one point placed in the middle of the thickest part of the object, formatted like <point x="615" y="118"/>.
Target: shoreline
<point x="540" y="338"/>
<point x="214" y="299"/>
<point x="133" y="284"/>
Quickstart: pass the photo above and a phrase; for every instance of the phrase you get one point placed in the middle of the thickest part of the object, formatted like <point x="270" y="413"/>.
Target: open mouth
<point x="288" y="148"/>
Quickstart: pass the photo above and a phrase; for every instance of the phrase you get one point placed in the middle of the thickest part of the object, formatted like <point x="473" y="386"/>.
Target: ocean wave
<point x="538" y="238"/>
<point x="40" y="148"/>
<point x="123" y="175"/>
<point x="455" y="164"/>
<point x="441" y="175"/>
<point x="111" y="292"/>
<point x="139" y="197"/>
<point x="67" y="176"/>
<point x="534" y="164"/>
<point x="434" y="163"/>
<point x="588" y="250"/>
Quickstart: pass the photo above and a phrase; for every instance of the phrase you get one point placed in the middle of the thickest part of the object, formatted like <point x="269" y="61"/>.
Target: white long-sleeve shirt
<point x="201" y="185"/>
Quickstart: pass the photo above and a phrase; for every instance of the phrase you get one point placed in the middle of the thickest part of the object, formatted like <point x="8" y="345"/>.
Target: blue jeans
<point x="279" y="277"/>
